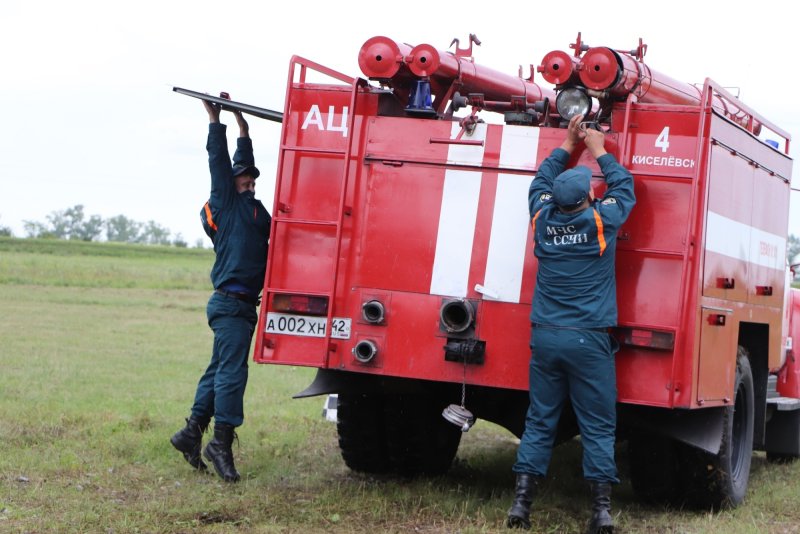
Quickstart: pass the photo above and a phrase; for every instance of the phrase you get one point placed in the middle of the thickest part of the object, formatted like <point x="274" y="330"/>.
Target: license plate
<point x="303" y="325"/>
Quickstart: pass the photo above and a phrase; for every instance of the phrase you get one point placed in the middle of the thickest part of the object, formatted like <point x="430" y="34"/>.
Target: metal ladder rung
<point x="317" y="222"/>
<point x="346" y="156"/>
<point x="315" y="150"/>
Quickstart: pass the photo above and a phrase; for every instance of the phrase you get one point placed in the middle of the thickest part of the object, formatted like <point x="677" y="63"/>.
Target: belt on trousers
<point x="255" y="301"/>
<point x="603" y="330"/>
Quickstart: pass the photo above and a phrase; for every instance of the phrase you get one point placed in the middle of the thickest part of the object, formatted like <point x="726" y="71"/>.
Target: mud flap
<point x="783" y="432"/>
<point x="699" y="428"/>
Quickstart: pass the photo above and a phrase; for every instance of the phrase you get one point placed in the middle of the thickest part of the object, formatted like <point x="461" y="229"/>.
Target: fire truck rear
<point x="400" y="262"/>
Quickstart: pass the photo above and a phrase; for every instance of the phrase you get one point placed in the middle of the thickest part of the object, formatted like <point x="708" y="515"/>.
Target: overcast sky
<point x="90" y="117"/>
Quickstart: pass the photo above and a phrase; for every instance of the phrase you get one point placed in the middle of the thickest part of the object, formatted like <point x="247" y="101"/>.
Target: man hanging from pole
<point x="238" y="225"/>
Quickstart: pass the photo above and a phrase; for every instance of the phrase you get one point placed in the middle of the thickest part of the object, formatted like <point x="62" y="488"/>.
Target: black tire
<point x="720" y="481"/>
<point x="362" y="439"/>
<point x="419" y="439"/>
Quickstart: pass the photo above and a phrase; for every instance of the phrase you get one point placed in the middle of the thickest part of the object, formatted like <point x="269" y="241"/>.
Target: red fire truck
<point x="401" y="264"/>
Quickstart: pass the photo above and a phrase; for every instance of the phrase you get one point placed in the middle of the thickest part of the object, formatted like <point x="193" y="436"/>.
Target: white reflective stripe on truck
<point x="743" y="242"/>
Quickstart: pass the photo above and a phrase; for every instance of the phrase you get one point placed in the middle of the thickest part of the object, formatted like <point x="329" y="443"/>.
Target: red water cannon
<point x="450" y="69"/>
<point x="450" y="77"/>
<point x="613" y="75"/>
<point x="619" y="74"/>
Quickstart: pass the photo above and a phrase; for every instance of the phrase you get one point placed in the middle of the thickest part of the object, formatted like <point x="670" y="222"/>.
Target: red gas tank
<point x="789" y="377"/>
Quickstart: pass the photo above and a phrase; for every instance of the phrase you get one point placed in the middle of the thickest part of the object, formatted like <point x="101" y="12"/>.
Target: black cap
<point x="571" y="187"/>
<point x="246" y="169"/>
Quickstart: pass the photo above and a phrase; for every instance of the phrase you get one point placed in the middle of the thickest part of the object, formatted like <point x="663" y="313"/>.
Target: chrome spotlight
<point x="573" y="101"/>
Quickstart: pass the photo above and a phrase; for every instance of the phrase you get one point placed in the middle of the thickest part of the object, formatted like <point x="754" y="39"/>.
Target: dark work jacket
<point x="575" y="281"/>
<point x="237" y="223"/>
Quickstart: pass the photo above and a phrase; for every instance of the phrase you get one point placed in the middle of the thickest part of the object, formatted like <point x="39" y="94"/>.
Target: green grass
<point x="101" y="347"/>
<point x="108" y="265"/>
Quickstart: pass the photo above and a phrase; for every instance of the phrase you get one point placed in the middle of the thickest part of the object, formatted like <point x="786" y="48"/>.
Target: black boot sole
<point x="514" y="521"/>
<point x="210" y="458"/>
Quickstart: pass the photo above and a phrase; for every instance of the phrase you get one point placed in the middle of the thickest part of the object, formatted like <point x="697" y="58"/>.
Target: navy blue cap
<point x="242" y="169"/>
<point x="571" y="187"/>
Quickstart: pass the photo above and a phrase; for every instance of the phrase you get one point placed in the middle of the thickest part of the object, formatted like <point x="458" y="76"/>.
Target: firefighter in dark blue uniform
<point x="238" y="226"/>
<point x="574" y="304"/>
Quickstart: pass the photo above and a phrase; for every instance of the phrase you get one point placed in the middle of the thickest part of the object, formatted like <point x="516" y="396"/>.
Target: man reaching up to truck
<point x="238" y="226"/>
<point x="574" y="304"/>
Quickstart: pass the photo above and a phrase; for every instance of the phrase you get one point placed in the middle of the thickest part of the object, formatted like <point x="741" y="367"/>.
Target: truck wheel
<point x="721" y="480"/>
<point x="362" y="439"/>
<point x="653" y="463"/>
<point x="419" y="439"/>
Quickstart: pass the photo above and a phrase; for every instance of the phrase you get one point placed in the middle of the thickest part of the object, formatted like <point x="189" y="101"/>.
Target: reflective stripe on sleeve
<point x="601" y="239"/>
<point x="209" y="218"/>
<point x="533" y="225"/>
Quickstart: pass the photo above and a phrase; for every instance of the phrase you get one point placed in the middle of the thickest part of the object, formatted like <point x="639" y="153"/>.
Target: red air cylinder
<point x="382" y="58"/>
<point x="425" y="61"/>
<point x="604" y="69"/>
<point x="559" y="68"/>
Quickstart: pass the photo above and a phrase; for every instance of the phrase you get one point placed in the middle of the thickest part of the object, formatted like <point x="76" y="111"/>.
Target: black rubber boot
<point x="189" y="440"/>
<point x="601" y="522"/>
<point x="219" y="452"/>
<point x="519" y="515"/>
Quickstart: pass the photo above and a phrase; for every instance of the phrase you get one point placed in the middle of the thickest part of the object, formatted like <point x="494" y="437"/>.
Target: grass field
<point x="101" y="346"/>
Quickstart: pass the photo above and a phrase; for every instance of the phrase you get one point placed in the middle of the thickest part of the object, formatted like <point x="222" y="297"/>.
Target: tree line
<point x="73" y="223"/>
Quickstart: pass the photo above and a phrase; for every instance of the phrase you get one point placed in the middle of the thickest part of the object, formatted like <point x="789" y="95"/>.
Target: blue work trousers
<point x="578" y="363"/>
<point x="220" y="392"/>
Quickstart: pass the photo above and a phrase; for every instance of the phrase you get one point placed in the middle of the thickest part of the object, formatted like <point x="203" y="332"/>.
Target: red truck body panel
<point x="414" y="212"/>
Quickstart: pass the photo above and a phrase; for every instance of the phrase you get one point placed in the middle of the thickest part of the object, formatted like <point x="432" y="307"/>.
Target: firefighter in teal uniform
<point x="238" y="226"/>
<point x="574" y="304"/>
